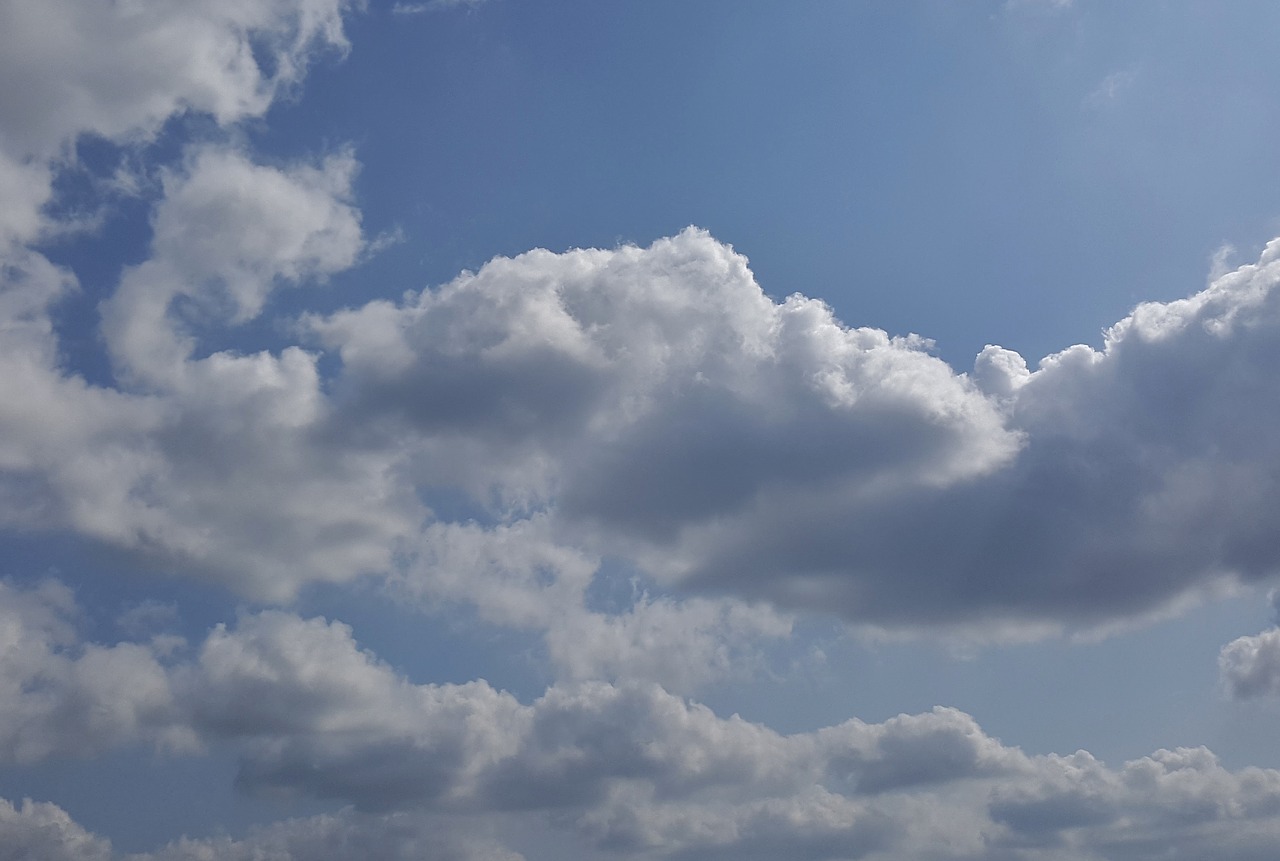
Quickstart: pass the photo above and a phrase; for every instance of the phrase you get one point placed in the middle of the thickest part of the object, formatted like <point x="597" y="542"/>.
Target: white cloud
<point x="205" y="462"/>
<point x="46" y="831"/>
<point x="656" y="405"/>
<point x="59" y="697"/>
<point x="1250" y="666"/>
<point x="627" y="767"/>
<point x="346" y="835"/>
<point x="1016" y="5"/>
<point x="433" y="6"/>
<point x="1112" y="88"/>
<point x="226" y="233"/>
<point x="73" y="68"/>
<point x="654" y="402"/>
<point x="682" y="645"/>
<point x="96" y="460"/>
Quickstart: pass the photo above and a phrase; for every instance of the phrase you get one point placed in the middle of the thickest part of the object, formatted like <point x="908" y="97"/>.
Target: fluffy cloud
<point x="654" y="390"/>
<point x="631" y="769"/>
<point x="73" y="67"/>
<point x="61" y="697"/>
<point x="1250" y="666"/>
<point x="682" y="645"/>
<point x="655" y="405"/>
<point x="46" y="831"/>
<point x="226" y="232"/>
<point x="105" y="461"/>
<point x="214" y="463"/>
<point x="656" y="402"/>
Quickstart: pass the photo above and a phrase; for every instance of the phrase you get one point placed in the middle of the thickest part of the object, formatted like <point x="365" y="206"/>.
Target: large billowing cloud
<point x="654" y="400"/>
<point x="552" y="411"/>
<point x="654" y="404"/>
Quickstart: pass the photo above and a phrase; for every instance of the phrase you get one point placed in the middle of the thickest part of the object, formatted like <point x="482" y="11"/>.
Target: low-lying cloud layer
<point x="626" y="767"/>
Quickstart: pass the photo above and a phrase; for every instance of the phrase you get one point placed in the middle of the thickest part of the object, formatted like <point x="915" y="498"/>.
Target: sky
<point x="502" y="430"/>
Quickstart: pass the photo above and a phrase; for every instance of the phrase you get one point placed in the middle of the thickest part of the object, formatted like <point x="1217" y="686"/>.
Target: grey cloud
<point x="1143" y="478"/>
<point x="912" y="750"/>
<point x="736" y="445"/>
<point x="1172" y="804"/>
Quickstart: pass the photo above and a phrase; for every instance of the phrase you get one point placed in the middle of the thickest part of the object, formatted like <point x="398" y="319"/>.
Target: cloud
<point x="59" y="697"/>
<point x="226" y="233"/>
<point x="174" y="464"/>
<point x="93" y="459"/>
<point x="733" y="444"/>
<point x="1112" y="89"/>
<point x="433" y="6"/>
<point x="632" y="769"/>
<point x="46" y="831"/>
<point x="74" y="68"/>
<point x="530" y="419"/>
<point x="646" y="397"/>
<point x="1250" y="666"/>
<point x="629" y="768"/>
<point x="682" y="645"/>
<point x="655" y="404"/>
<point x="1017" y="5"/>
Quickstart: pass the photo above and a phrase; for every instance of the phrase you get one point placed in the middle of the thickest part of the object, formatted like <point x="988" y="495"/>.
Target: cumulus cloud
<point x="61" y="697"/>
<point x="650" y="404"/>
<point x="682" y="645"/>
<point x="175" y="464"/>
<point x="655" y="405"/>
<point x="626" y="767"/>
<point x="99" y="460"/>
<point x="73" y="68"/>
<point x="46" y="831"/>
<point x="655" y="400"/>
<point x="1250" y="666"/>
<point x="501" y="440"/>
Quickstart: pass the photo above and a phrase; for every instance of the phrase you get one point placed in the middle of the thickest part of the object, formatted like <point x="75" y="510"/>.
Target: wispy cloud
<point x="433" y="6"/>
<point x="1111" y="89"/>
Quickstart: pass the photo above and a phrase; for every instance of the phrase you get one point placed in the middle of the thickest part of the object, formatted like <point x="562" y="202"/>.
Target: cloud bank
<point x="626" y="767"/>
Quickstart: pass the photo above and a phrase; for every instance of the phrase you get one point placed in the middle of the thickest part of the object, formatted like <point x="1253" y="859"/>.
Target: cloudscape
<point x="497" y="430"/>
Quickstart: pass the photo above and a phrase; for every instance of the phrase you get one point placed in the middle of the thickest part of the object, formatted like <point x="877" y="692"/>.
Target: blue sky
<point x="496" y="430"/>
